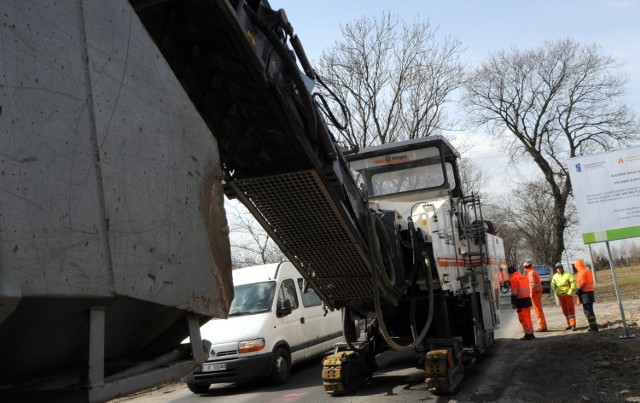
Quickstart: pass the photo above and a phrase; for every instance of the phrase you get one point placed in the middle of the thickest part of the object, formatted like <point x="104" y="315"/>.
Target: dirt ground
<point x="569" y="366"/>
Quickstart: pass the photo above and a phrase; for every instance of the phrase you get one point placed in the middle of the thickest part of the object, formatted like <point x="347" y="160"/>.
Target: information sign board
<point x="606" y="188"/>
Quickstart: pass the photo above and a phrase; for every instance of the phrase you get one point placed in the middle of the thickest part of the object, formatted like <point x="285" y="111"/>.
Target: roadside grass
<point x="628" y="284"/>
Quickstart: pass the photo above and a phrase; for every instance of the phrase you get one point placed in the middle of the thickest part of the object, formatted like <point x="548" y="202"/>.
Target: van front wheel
<point x="281" y="367"/>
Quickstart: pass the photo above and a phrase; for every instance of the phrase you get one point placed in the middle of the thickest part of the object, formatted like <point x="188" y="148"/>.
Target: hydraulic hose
<point x="376" y="299"/>
<point x="291" y="66"/>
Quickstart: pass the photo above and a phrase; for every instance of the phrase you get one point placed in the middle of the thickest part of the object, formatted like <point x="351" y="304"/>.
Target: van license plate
<point x="214" y="367"/>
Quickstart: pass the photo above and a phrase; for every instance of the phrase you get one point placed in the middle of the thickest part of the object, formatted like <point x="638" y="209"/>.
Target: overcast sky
<point x="484" y="27"/>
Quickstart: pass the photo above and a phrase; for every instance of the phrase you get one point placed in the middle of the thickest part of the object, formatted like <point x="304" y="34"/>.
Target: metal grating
<point x="308" y="227"/>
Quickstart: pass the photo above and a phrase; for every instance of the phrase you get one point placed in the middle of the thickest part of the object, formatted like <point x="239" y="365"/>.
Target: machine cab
<point x="412" y="170"/>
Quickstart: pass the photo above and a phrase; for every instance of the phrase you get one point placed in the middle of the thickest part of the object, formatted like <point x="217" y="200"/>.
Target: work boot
<point x="528" y="336"/>
<point x="568" y="327"/>
<point x="542" y="330"/>
<point x="593" y="328"/>
<point x="575" y="328"/>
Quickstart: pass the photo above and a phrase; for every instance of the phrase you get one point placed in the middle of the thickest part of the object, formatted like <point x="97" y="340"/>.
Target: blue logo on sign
<point x="578" y="167"/>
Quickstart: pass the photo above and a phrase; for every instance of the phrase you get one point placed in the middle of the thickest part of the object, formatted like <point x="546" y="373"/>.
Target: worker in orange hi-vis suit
<point x="499" y="278"/>
<point x="502" y="275"/>
<point x="521" y="301"/>
<point x="585" y="293"/>
<point x="535" y="288"/>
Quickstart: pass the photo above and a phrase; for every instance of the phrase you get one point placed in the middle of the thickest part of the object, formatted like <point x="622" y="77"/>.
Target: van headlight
<point x="250" y="346"/>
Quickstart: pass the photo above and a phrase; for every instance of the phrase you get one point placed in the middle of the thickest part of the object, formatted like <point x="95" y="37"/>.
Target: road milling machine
<point x="383" y="233"/>
<point x="123" y="123"/>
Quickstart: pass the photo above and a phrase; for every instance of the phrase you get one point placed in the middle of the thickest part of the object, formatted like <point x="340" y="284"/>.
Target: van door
<point x="322" y="328"/>
<point x="289" y="327"/>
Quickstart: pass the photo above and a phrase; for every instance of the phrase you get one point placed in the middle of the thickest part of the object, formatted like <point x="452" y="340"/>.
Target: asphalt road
<point x="398" y="379"/>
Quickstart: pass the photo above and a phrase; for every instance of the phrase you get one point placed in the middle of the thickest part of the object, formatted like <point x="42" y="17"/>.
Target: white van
<point x="275" y="321"/>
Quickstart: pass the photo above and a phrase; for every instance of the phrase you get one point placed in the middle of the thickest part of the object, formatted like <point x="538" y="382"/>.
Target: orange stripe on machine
<point x="461" y="262"/>
<point x="392" y="159"/>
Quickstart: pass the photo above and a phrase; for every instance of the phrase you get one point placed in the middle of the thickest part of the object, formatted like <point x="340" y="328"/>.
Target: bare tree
<point x="526" y="222"/>
<point x="250" y="243"/>
<point x="394" y="79"/>
<point x="473" y="177"/>
<point x="552" y="103"/>
<point x="535" y="219"/>
<point x="514" y="242"/>
<point x="634" y="253"/>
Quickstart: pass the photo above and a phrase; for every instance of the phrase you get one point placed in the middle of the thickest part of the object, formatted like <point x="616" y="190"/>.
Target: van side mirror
<point x="284" y="308"/>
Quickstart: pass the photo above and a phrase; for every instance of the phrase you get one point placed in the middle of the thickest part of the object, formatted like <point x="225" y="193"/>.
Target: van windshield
<point x="249" y="299"/>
